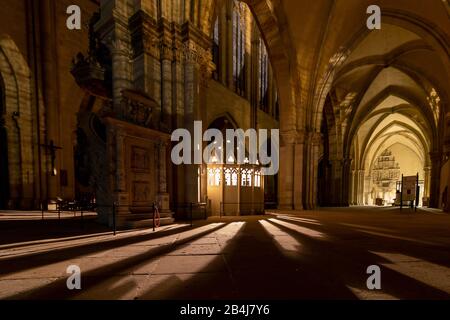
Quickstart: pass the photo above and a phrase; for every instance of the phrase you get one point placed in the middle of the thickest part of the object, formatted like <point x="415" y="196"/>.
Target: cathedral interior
<point x="87" y="114"/>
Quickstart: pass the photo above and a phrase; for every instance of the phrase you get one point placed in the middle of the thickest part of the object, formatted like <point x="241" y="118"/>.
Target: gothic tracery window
<point x="214" y="177"/>
<point x="246" y="178"/>
<point x="263" y="72"/>
<point x="258" y="179"/>
<point x="239" y="31"/>
<point x="216" y="48"/>
<point x="241" y="57"/>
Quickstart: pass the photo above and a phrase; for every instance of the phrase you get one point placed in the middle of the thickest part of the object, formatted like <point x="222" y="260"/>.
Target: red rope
<point x="158" y="219"/>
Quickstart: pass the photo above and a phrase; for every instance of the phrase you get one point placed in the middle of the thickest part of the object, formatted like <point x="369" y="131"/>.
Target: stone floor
<point x="284" y="255"/>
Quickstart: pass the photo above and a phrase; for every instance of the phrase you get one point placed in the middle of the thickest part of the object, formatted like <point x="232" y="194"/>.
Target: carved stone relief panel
<point x="141" y="173"/>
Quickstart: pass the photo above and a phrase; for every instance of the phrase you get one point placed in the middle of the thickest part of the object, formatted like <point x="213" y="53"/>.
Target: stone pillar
<point x="166" y="79"/>
<point x="50" y="89"/>
<point x="435" y="193"/>
<point x="345" y="192"/>
<point x="191" y="82"/>
<point x="427" y="173"/>
<point x="163" y="195"/>
<point x="298" y="172"/>
<point x="335" y="183"/>
<point x="352" y="187"/>
<point x="121" y="70"/>
<point x="361" y="180"/>
<point x="121" y="196"/>
<point x="114" y="30"/>
<point x="290" y="176"/>
<point x="446" y="207"/>
<point x="286" y="173"/>
<point x="311" y="169"/>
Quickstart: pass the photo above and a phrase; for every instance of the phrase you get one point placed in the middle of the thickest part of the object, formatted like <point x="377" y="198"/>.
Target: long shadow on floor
<point x="347" y="264"/>
<point x="259" y="271"/>
<point x="58" y="289"/>
<point x="16" y="264"/>
<point x="381" y="241"/>
<point x="258" y="268"/>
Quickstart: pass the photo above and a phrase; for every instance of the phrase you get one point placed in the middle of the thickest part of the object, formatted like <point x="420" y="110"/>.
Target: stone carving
<point x="137" y="108"/>
<point x="141" y="191"/>
<point x="92" y="72"/>
<point x="140" y="159"/>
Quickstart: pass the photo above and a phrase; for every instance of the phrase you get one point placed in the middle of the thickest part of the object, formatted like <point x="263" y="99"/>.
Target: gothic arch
<point x="272" y="24"/>
<point x="431" y="37"/>
<point x="19" y="122"/>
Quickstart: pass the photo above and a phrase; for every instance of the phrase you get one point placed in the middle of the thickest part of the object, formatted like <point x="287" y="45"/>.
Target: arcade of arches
<point x="90" y="112"/>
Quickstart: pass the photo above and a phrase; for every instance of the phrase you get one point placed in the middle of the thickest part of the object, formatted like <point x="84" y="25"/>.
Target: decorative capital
<point x="288" y="137"/>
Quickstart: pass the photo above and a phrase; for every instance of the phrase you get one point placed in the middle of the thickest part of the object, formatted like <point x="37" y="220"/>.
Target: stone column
<point x="352" y="187"/>
<point x="346" y="183"/>
<point x="435" y="192"/>
<point x="298" y="172"/>
<point x="286" y="173"/>
<point x="50" y="87"/>
<point x="191" y="81"/>
<point x="121" y="193"/>
<point x="446" y="208"/>
<point x="114" y="30"/>
<point x="166" y="80"/>
<point x="121" y="70"/>
<point x="311" y="169"/>
<point x="335" y="183"/>
<point x="361" y="181"/>
<point x="427" y="173"/>
<point x="163" y="195"/>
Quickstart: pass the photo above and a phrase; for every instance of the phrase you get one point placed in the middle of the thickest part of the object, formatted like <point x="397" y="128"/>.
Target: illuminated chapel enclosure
<point x="242" y="64"/>
<point x="233" y="188"/>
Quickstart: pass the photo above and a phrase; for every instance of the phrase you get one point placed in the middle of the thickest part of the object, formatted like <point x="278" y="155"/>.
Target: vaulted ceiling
<point x="323" y="49"/>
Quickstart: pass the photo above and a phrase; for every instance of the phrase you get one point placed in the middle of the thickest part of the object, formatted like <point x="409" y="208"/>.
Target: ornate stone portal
<point x="133" y="176"/>
<point x="138" y="181"/>
<point x="385" y="174"/>
<point x="148" y="72"/>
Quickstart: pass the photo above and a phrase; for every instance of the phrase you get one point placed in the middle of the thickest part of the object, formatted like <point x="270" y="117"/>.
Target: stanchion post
<point x="154" y="219"/>
<point x="417" y="193"/>
<point x="401" y="195"/>
<point x="114" y="218"/>
<point x="191" y="213"/>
